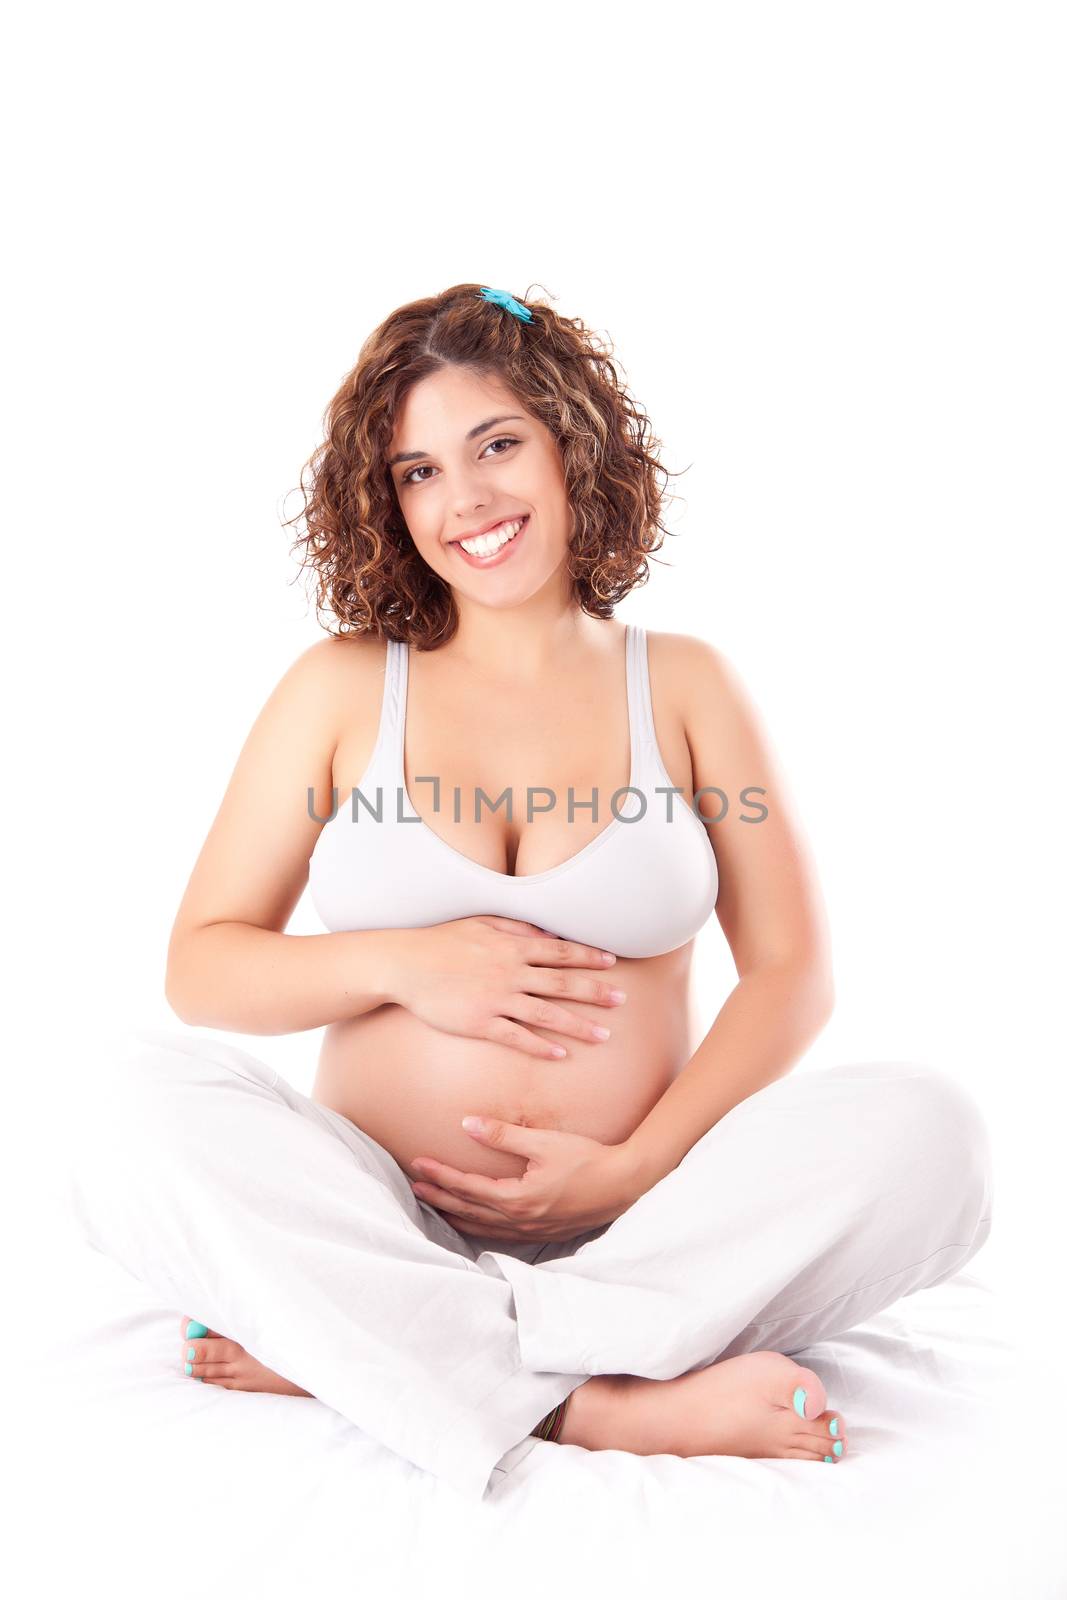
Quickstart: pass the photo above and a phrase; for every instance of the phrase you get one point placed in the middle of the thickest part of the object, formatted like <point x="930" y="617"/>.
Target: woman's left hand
<point x="571" y="1184"/>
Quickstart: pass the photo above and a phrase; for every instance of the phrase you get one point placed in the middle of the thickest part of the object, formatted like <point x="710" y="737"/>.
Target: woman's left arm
<point x="769" y="906"/>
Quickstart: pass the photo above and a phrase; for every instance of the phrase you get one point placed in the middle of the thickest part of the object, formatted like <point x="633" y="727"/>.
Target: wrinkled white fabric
<point x="277" y="1222"/>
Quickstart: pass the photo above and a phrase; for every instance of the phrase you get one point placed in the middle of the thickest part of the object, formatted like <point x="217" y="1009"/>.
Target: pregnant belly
<point x="408" y="1085"/>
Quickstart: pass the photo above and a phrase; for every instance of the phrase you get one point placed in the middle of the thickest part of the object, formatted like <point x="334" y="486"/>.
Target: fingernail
<point x="616" y="994"/>
<point x="606" y="955"/>
<point x="602" y="1033"/>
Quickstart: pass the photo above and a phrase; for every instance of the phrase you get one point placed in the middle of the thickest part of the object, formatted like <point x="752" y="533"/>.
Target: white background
<point x="827" y="243"/>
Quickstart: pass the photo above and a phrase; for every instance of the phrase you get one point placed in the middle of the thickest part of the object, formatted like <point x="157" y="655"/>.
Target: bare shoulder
<point x="337" y="670"/>
<point x="345" y="678"/>
<point x="342" y="656"/>
<point x="700" y="679"/>
<point x="254" y="863"/>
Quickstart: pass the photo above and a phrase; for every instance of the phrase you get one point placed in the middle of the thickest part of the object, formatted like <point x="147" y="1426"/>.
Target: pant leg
<point x="280" y="1224"/>
<point x="812" y="1205"/>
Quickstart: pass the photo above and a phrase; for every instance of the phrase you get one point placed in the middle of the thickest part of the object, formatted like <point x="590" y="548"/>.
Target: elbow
<point x="176" y="1001"/>
<point x="809" y="987"/>
<point x="176" y="992"/>
<point x="818" y="983"/>
<point x="825" y="998"/>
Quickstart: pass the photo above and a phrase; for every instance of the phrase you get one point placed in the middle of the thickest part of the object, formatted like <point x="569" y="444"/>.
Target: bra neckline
<point x="632" y="678"/>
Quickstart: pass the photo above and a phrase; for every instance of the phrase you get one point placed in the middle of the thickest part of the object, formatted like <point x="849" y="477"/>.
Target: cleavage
<point x="518" y="847"/>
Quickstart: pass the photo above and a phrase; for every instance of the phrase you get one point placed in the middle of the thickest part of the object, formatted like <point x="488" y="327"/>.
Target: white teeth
<point x="488" y="543"/>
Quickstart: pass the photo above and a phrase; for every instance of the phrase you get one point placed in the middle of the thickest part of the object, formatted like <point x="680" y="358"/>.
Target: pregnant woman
<point x="514" y="814"/>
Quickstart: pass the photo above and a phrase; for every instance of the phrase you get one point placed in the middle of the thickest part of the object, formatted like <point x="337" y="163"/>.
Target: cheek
<point x="428" y="548"/>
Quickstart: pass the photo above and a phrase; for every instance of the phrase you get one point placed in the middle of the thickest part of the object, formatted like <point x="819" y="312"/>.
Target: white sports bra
<point x="644" y="885"/>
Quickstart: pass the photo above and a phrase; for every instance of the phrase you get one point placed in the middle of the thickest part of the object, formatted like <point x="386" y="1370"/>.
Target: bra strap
<point x="638" y="688"/>
<point x="394" y="705"/>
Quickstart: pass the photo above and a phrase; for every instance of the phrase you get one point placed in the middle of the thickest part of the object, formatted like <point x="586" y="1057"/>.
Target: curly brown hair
<point x="370" y="577"/>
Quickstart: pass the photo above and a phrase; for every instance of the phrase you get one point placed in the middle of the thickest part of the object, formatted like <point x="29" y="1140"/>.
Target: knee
<point x="141" y="1080"/>
<point x="148" y="1061"/>
<point x="940" y="1131"/>
<point x="127" y="1066"/>
<point x="119" y="1077"/>
<point x="142" y="1100"/>
<point x="120" y="1119"/>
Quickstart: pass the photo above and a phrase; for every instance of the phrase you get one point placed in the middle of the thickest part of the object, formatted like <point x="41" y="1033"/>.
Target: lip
<point x="499" y="556"/>
<point x="478" y="533"/>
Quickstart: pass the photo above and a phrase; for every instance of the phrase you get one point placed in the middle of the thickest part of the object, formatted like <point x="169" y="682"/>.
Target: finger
<point x="483" y="1232"/>
<point x="446" y="1201"/>
<point x="520" y="1234"/>
<point x="566" y="953"/>
<point x="501" y="1030"/>
<point x="512" y="925"/>
<point x="515" y="1137"/>
<point x="497" y="1193"/>
<point x="572" y="986"/>
<point x="543" y="1014"/>
<point x="461" y="1225"/>
<point x="522" y="929"/>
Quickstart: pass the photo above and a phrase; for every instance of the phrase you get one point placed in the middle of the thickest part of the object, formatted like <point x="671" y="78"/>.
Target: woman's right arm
<point x="230" y="964"/>
<point x="233" y="975"/>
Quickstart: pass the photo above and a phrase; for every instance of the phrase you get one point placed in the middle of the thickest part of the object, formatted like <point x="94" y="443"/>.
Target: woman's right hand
<point x="483" y="977"/>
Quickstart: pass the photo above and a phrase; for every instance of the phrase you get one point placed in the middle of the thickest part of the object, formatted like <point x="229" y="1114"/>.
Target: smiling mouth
<point x="496" y="550"/>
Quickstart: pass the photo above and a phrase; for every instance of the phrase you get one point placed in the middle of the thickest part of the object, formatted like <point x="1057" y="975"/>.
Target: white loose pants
<point x="278" y="1223"/>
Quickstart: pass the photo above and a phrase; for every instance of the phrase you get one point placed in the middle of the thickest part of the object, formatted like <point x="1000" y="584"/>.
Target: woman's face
<point x="474" y="459"/>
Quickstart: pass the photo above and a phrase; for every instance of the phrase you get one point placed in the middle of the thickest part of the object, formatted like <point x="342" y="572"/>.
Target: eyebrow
<point x="483" y="427"/>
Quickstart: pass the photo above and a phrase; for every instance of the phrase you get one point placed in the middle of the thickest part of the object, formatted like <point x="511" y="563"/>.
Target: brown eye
<point x="409" y="476"/>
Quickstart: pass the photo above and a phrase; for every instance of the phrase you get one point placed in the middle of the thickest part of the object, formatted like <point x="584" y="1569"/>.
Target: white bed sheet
<point x="136" y="1479"/>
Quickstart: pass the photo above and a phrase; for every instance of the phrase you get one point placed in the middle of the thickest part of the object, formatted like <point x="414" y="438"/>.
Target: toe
<point x="807" y="1396"/>
<point x="827" y="1431"/>
<point x="207" y="1357"/>
<point x="829" y="1436"/>
<point x="825" y="1446"/>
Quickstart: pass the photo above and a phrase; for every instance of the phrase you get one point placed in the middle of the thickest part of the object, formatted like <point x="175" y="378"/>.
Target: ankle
<point x="588" y="1409"/>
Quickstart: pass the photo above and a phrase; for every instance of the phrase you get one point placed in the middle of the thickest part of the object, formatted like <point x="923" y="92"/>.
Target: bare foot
<point x="221" y="1361"/>
<point x="739" y="1407"/>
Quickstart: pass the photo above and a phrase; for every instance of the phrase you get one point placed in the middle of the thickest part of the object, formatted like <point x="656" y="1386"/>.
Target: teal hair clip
<point x="508" y="302"/>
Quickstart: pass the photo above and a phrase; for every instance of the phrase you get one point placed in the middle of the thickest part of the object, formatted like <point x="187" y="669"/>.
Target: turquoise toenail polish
<point x="188" y="1370"/>
<point x="833" y="1427"/>
<point x="190" y="1354"/>
<point x="838" y="1447"/>
<point x="830" y="1459"/>
<point x="800" y="1397"/>
<point x="196" y="1331"/>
